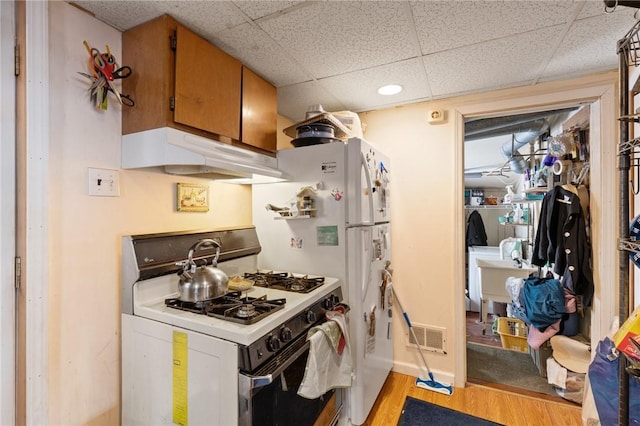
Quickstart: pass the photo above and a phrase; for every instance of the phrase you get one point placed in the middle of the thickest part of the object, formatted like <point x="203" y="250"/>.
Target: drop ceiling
<point x="337" y="53"/>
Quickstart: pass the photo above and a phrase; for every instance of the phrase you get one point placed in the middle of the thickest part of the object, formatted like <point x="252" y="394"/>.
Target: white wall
<point x="423" y="166"/>
<point x="85" y="232"/>
<point x="428" y="215"/>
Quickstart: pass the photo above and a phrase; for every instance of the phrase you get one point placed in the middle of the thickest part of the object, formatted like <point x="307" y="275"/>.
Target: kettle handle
<point x="206" y="241"/>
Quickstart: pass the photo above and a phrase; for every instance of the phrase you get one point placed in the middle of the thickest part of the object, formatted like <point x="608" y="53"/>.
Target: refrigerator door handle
<point x="367" y="175"/>
<point x="365" y="261"/>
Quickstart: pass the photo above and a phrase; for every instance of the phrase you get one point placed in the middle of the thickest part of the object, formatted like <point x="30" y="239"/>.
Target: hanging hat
<point x="571" y="354"/>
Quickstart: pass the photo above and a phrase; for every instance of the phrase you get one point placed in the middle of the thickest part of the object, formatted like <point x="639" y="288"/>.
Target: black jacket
<point x="562" y="239"/>
<point x="476" y="235"/>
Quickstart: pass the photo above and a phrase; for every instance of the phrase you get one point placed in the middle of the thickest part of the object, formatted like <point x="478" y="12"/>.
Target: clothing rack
<point x="628" y="48"/>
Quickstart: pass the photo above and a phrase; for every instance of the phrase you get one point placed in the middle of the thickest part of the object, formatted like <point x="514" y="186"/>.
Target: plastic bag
<point x="603" y="380"/>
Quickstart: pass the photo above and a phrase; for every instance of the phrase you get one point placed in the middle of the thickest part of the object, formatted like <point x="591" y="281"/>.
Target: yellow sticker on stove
<point x="180" y="383"/>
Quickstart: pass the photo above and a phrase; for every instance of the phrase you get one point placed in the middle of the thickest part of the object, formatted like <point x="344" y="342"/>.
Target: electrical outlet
<point x="104" y="183"/>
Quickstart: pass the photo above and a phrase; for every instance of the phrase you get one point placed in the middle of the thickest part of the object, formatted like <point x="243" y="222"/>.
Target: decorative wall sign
<point x="193" y="197"/>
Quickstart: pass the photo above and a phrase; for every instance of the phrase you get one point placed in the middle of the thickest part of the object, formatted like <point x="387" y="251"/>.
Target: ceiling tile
<point x="259" y="9"/>
<point x="589" y="46"/>
<point x="121" y="15"/>
<point x="443" y="25"/>
<point x="331" y="38"/>
<point x="205" y="18"/>
<point x="470" y="45"/>
<point x="293" y="101"/>
<point x="256" y="50"/>
<point x="494" y="64"/>
<point x="358" y="90"/>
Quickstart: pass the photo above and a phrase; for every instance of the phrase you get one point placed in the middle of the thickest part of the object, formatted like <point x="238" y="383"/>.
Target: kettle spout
<point x="184" y="274"/>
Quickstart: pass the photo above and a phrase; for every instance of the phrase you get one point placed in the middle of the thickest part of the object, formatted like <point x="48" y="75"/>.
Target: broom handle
<point x="413" y="333"/>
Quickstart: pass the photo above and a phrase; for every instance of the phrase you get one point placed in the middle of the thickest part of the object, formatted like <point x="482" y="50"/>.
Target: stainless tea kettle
<point x="199" y="283"/>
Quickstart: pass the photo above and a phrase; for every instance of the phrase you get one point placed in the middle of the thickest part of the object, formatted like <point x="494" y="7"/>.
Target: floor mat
<point x="418" y="413"/>
<point x="506" y="367"/>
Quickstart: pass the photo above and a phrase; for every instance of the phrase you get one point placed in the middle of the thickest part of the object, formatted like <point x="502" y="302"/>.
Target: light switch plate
<point x="104" y="182"/>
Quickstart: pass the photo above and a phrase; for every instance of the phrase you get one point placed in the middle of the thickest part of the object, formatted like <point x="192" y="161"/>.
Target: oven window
<point x="279" y="403"/>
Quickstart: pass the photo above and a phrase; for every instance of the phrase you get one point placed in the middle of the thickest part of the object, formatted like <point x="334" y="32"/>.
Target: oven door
<point x="270" y="395"/>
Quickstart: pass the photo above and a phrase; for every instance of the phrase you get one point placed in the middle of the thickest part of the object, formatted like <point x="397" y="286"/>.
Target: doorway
<point x="508" y="170"/>
<point x="600" y="92"/>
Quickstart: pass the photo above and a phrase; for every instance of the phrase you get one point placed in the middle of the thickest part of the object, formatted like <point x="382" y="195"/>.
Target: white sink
<point x="493" y="274"/>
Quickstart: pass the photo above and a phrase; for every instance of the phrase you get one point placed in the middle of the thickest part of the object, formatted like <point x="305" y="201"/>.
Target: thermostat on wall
<point x="436" y="116"/>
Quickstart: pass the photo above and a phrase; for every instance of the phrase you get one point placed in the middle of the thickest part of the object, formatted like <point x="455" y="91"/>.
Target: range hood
<point x="182" y="153"/>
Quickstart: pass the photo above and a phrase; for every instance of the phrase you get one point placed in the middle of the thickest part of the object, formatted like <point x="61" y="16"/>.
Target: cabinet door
<point x="146" y="49"/>
<point x="259" y="111"/>
<point x="207" y="86"/>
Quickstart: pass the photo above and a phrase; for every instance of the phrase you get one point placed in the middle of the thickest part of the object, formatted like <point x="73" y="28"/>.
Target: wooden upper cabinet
<point x="181" y="80"/>
<point x="259" y="111"/>
<point x="147" y="50"/>
<point x="207" y="94"/>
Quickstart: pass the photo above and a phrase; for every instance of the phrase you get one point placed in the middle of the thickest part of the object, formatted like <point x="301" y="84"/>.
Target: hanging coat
<point x="562" y="239"/>
<point x="476" y="235"/>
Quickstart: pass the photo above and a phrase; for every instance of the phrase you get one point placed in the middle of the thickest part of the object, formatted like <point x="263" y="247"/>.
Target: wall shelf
<point x="292" y="217"/>
<point x="491" y="206"/>
<point x="499" y="206"/>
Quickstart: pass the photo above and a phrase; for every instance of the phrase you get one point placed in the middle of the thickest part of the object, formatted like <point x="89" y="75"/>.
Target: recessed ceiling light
<point x="390" y="89"/>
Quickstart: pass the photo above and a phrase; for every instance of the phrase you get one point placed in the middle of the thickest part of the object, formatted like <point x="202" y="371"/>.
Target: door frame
<point x="7" y="214"/>
<point x="32" y="221"/>
<point x="601" y="93"/>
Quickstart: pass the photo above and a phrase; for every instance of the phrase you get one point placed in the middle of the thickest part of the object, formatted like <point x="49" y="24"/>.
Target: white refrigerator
<point x="341" y="229"/>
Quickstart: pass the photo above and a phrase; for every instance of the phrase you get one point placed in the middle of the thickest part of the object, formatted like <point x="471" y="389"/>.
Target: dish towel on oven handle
<point x="326" y="367"/>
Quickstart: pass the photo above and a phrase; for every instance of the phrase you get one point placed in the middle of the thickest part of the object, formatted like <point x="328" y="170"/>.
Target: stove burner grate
<point x="246" y="311"/>
<point x="231" y="307"/>
<point x="285" y="281"/>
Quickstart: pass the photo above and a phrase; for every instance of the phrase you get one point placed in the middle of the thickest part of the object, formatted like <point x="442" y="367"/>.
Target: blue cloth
<point x="603" y="378"/>
<point x="543" y="301"/>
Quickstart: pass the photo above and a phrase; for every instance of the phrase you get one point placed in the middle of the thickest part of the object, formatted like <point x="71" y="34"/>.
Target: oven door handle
<point x="248" y="383"/>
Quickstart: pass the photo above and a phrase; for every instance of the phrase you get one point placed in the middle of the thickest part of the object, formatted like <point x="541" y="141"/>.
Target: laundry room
<point x="511" y="162"/>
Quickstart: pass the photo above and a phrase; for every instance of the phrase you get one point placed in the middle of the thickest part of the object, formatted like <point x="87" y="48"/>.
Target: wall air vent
<point x="433" y="339"/>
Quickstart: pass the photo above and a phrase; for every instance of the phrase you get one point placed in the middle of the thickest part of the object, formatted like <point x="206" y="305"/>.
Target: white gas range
<point x="199" y="363"/>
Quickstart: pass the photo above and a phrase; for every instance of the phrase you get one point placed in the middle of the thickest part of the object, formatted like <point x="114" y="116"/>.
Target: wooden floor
<point x="500" y="404"/>
<point x="492" y="404"/>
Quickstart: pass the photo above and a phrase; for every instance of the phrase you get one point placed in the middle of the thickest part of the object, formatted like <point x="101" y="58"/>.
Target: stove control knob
<point x="331" y="301"/>
<point x="285" y="334"/>
<point x="311" y="317"/>
<point x="273" y="343"/>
